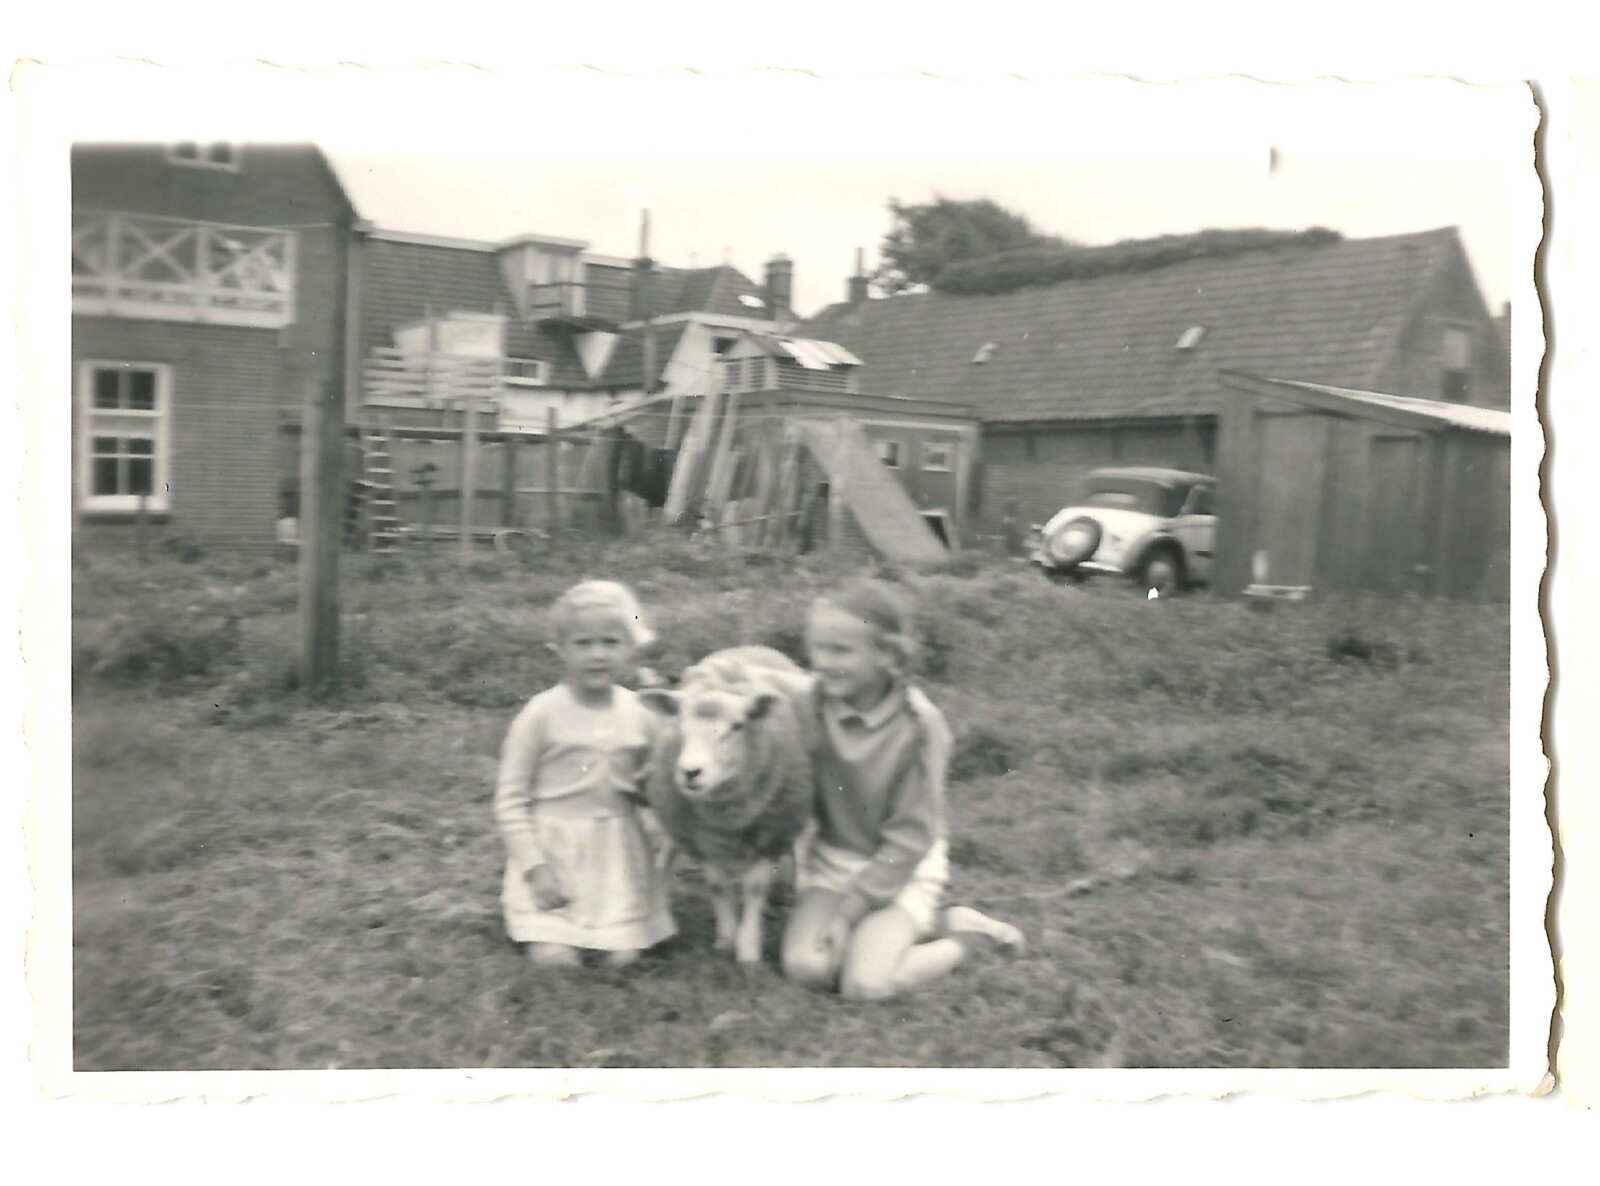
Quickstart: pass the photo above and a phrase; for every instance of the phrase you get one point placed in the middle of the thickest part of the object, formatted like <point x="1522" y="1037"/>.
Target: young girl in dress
<point x="580" y="874"/>
<point x="868" y="917"/>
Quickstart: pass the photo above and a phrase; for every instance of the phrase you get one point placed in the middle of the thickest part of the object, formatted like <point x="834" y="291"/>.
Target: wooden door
<point x="1292" y="454"/>
<point x="1394" y="501"/>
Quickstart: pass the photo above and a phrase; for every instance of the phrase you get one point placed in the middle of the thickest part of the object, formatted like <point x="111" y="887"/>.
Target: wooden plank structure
<point x="1327" y="490"/>
<point x="793" y="470"/>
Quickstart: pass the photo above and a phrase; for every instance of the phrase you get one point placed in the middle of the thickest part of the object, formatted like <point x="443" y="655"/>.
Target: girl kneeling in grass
<point x="868" y="916"/>
<point x="580" y="874"/>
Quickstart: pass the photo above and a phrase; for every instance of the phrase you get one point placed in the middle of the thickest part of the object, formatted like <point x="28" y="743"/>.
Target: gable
<point x="272" y="185"/>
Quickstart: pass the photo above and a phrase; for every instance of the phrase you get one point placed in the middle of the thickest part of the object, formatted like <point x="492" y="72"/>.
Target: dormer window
<point x="526" y="372"/>
<point x="750" y="300"/>
<point x="202" y="154"/>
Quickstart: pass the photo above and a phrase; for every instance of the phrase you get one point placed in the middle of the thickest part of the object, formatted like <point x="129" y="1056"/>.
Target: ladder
<point x="373" y="493"/>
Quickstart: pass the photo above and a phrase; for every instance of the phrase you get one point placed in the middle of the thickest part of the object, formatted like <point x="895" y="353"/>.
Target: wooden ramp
<point x="890" y="521"/>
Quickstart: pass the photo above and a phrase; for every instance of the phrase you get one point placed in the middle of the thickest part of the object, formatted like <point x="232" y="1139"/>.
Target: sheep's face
<point x="714" y="726"/>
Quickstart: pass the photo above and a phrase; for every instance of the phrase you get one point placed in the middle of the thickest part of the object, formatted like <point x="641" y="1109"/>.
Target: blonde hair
<point x="882" y="610"/>
<point x="608" y="597"/>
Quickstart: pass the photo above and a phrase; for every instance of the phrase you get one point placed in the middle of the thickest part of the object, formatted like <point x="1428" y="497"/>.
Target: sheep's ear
<point x="660" y="700"/>
<point x="760" y="705"/>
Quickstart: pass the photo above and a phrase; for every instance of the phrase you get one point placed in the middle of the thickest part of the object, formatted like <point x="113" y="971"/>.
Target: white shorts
<point x="823" y="866"/>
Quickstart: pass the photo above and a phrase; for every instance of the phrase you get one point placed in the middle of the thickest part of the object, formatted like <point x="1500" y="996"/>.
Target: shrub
<point x="161" y="648"/>
<point x="1009" y="270"/>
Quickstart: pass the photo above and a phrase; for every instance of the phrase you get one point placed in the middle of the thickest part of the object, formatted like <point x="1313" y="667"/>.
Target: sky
<point x="738" y="172"/>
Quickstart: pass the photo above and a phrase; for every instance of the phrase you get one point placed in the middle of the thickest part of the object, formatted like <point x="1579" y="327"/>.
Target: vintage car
<point x="1156" y="527"/>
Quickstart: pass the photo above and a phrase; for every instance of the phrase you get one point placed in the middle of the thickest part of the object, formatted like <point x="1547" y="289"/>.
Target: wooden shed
<point x="1330" y="490"/>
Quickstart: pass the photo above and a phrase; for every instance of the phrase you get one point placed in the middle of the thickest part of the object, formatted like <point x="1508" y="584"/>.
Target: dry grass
<point x="1234" y="838"/>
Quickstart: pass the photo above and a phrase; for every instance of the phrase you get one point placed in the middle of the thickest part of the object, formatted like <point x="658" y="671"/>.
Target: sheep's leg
<point x="722" y="889"/>
<point x="756" y="883"/>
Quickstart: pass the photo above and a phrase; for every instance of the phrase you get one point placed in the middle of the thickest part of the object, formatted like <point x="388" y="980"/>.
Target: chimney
<point x="857" y="291"/>
<point x="780" y="288"/>
<point x="642" y="311"/>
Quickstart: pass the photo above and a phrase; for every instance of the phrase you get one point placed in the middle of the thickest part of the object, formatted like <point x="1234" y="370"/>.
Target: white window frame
<point x="199" y="161"/>
<point x="948" y="465"/>
<point x="541" y="377"/>
<point x="161" y="415"/>
<point x="881" y="447"/>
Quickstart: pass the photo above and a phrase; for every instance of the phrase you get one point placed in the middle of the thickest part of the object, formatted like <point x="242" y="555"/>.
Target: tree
<point x="927" y="238"/>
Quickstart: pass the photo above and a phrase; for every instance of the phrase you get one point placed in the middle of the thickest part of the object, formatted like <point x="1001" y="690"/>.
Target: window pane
<point x="139" y="448"/>
<point x="142" y="390"/>
<point x="139" y="471"/>
<point x="220" y="154"/>
<point x="105" y="446"/>
<point x="105" y="475"/>
<point x="105" y="387"/>
<point x="187" y="150"/>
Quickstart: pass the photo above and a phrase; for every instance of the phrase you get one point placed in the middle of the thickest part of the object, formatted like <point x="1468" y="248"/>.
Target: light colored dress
<point x="568" y="773"/>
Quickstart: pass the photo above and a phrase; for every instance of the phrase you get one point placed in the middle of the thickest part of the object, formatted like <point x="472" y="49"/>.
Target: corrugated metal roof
<point x="1468" y="416"/>
<point x="815" y="355"/>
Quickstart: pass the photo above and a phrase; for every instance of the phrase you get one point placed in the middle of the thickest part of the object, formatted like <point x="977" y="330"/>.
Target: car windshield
<point x="1133" y="494"/>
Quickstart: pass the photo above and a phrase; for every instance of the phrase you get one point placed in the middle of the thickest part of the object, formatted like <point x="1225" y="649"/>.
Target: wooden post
<point x="141" y="527"/>
<point x="836" y="487"/>
<point x="469" y="475"/>
<point x="321" y="515"/>
<point x="508" y="484"/>
<point x="674" y="424"/>
<point x="606" y="446"/>
<point x="552" y="445"/>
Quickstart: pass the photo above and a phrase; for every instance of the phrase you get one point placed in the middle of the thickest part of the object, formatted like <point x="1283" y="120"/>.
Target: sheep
<point x="730" y="780"/>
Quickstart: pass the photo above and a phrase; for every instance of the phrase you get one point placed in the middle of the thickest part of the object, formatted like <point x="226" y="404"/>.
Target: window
<point x="937" y="456"/>
<point x="526" y="372"/>
<point x="125" y="409"/>
<point x="721" y="344"/>
<point x="215" y="154"/>
<point x="1202" y="500"/>
<point x="888" y="452"/>
<point x="1455" y="362"/>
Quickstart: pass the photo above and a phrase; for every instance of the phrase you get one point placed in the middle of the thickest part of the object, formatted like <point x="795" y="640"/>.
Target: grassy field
<point x="1233" y="837"/>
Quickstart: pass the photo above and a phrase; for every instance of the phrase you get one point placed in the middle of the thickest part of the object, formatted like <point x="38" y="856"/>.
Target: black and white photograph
<point x="731" y="578"/>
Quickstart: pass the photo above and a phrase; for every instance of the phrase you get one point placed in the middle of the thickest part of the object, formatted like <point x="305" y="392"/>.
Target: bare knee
<point x="856" y="984"/>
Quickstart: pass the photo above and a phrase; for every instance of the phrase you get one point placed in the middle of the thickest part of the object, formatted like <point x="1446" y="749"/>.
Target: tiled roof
<point x="403" y="280"/>
<point x="704" y="290"/>
<point x="626" y="366"/>
<point x="1105" y="348"/>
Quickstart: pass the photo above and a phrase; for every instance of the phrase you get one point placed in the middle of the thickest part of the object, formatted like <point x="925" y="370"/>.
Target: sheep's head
<point x="714" y="727"/>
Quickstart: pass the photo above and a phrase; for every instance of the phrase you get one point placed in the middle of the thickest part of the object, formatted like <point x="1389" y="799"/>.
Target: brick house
<point x="541" y="323"/>
<point x="1122" y="368"/>
<point x="208" y="285"/>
